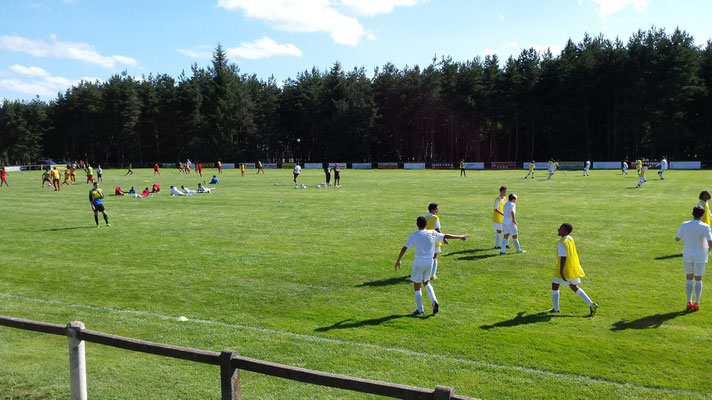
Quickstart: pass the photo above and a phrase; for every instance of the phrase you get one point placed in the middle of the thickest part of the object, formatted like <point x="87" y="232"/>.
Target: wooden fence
<point x="229" y="361"/>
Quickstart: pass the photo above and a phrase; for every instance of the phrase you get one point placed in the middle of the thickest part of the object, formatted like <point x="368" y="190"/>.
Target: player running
<point x="156" y="170"/>
<point x="624" y="168"/>
<point x="260" y="168"/>
<point x="3" y="172"/>
<point x="568" y="271"/>
<point x="45" y="178"/>
<point x="586" y="167"/>
<point x="130" y="171"/>
<point x="219" y="167"/>
<point x="643" y="179"/>
<point x="531" y="170"/>
<point x="663" y="167"/>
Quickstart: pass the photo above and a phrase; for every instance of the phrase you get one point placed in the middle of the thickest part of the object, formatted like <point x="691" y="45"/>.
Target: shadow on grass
<point x="66" y="229"/>
<point x="649" y="322"/>
<point x="478" y="257"/>
<point x="668" y="257"/>
<point x="386" y="282"/>
<point x="345" y="324"/>
<point x="521" y="319"/>
<point x="454" y="253"/>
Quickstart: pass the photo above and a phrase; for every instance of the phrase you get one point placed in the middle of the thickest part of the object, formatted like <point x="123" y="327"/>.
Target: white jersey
<point x="424" y="242"/>
<point x="175" y="191"/>
<point x="297" y="169"/>
<point x="588" y="164"/>
<point x="507" y="210"/>
<point x="695" y="233"/>
<point x="663" y="165"/>
<point x="625" y="165"/>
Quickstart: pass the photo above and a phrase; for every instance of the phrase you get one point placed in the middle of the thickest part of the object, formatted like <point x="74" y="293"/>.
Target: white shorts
<point x="497" y="227"/>
<point x="567" y="282"/>
<point x="697" y="269"/>
<point x="509" y="229"/>
<point x="642" y="181"/>
<point x="438" y="249"/>
<point x="422" y="270"/>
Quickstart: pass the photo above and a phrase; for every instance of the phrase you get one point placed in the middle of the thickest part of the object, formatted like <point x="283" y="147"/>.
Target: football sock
<point x="419" y="300"/>
<point x="504" y="244"/>
<point x="688" y="287"/>
<point x="431" y="293"/>
<point x="698" y="291"/>
<point x="106" y="219"/>
<point x="435" y="266"/>
<point x="96" y="218"/>
<point x="584" y="296"/>
<point x="496" y="239"/>
<point x="516" y="244"/>
<point x="555" y="299"/>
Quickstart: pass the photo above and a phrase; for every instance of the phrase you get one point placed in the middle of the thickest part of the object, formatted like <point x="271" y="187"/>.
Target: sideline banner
<point x="342" y="165"/>
<point x="570" y="164"/>
<point x="537" y="165"/>
<point x="271" y="165"/>
<point x="287" y="165"/>
<point x="312" y="165"/>
<point x="685" y="165"/>
<point x="650" y="164"/>
<point x="361" y="166"/>
<point x="414" y="165"/>
<point x="610" y="165"/>
<point x="387" y="165"/>
<point x="443" y="165"/>
<point x="251" y="165"/>
<point x="228" y="166"/>
<point x="474" y="165"/>
<point x="503" y="165"/>
<point x="12" y="168"/>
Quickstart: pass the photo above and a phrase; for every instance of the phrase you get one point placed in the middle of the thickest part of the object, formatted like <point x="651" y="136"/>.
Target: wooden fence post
<point x="229" y="377"/>
<point x="443" y="393"/>
<point x="77" y="361"/>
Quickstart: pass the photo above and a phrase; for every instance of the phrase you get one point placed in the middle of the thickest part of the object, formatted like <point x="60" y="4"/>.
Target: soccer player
<point x="260" y="168"/>
<point x="434" y="224"/>
<point x="531" y="170"/>
<point x="568" y="271"/>
<point x="74" y="173"/>
<point x="156" y="188"/>
<point x="67" y="176"/>
<point x="424" y="242"/>
<point x="509" y="224"/>
<point x="242" y="168"/>
<point x="99" y="177"/>
<point x="90" y="174"/>
<point x="55" y="178"/>
<point x="297" y="171"/>
<point x="498" y="215"/>
<point x="219" y="167"/>
<point x="327" y="174"/>
<point x="2" y="177"/>
<point x="176" y="192"/>
<point x="95" y="196"/>
<point x="698" y="241"/>
<point x="663" y="167"/>
<point x="462" y="169"/>
<point x="704" y="203"/>
<point x="552" y="168"/>
<point x="180" y="167"/>
<point x="639" y="166"/>
<point x="586" y="167"/>
<point x="199" y="167"/>
<point x="337" y="175"/>
<point x="156" y="170"/>
<point x="624" y="167"/>
<point x="187" y="166"/>
<point x="643" y="179"/>
<point x="130" y="171"/>
<point x="45" y="178"/>
<point x="214" y="180"/>
<point x="118" y="191"/>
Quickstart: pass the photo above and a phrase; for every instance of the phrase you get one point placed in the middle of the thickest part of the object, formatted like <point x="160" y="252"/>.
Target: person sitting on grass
<point x="176" y="192"/>
<point x="132" y="190"/>
<point x="203" y="189"/>
<point x="156" y="188"/>
<point x="118" y="191"/>
<point x="214" y="180"/>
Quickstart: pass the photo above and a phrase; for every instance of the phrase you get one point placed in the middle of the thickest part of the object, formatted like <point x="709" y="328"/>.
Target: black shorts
<point x="337" y="176"/>
<point x="99" y="207"/>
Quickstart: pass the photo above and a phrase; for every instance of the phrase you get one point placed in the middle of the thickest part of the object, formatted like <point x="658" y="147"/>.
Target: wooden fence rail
<point x="229" y="361"/>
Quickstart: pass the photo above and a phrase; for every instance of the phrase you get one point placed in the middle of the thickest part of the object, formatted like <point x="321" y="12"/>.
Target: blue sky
<point x="48" y="45"/>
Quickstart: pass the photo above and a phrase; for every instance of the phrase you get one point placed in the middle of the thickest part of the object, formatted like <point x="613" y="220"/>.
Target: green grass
<point x="305" y="277"/>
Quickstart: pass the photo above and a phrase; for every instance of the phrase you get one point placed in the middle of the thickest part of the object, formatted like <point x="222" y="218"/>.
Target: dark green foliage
<point x="598" y="99"/>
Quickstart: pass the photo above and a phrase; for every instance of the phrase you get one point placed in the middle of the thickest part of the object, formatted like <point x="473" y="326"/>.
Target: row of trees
<point x="598" y="99"/>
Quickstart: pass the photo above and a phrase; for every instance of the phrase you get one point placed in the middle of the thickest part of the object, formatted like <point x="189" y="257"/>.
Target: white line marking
<point x="314" y="338"/>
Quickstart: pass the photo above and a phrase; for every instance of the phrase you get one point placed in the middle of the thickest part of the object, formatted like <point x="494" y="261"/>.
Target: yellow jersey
<point x="706" y="217"/>
<point x="498" y="217"/>
<point x="432" y="218"/>
<point x="531" y="166"/>
<point x="56" y="174"/>
<point x="572" y="266"/>
<point x="639" y="164"/>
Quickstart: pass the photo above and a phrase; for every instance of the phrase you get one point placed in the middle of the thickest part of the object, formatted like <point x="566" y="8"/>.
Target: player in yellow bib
<point x="643" y="179"/>
<point x="498" y="215"/>
<point x="242" y="169"/>
<point x="531" y="170"/>
<point x="568" y="271"/>
<point x="462" y="169"/>
<point x="704" y="203"/>
<point x="433" y="223"/>
<point x="639" y="166"/>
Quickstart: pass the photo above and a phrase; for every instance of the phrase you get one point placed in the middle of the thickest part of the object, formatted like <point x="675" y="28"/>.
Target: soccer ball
<point x="564" y="172"/>
<point x="276" y="184"/>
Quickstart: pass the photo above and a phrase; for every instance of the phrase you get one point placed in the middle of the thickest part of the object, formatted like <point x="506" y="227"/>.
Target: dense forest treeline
<point x="598" y="99"/>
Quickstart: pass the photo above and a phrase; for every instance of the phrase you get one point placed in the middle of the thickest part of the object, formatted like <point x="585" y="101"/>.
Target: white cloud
<point x="336" y="17"/>
<point x="58" y="49"/>
<point x="500" y="17"/>
<point x="29" y="71"/>
<point x="371" y="36"/>
<point x="263" y="48"/>
<point x="608" y="7"/>
<point x="37" y="81"/>
<point x="195" y="53"/>
<point x="490" y="52"/>
<point x="541" y="49"/>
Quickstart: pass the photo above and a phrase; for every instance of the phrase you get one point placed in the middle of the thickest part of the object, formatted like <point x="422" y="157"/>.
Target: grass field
<point x="305" y="277"/>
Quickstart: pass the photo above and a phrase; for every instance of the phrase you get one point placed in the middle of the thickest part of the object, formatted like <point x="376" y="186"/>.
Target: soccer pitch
<point x="306" y="278"/>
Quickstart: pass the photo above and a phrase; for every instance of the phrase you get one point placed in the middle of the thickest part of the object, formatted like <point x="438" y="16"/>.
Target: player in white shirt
<point x="663" y="167"/>
<point x="698" y="240"/>
<point x="297" y="171"/>
<point x="586" y="167"/>
<point x="424" y="242"/>
<point x="176" y="192"/>
<point x="509" y="224"/>
<point x="497" y="215"/>
<point x="624" y="168"/>
<point x="552" y="168"/>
